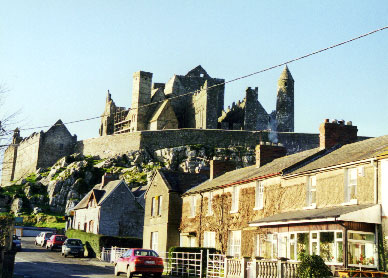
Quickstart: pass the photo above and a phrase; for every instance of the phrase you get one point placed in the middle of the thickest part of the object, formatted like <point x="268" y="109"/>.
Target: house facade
<point x="163" y="205"/>
<point x="110" y="208"/>
<point x="330" y="201"/>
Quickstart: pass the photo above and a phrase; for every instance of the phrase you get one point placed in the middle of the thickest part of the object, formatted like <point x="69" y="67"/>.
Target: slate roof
<point x="328" y="212"/>
<point x="181" y="182"/>
<point x="252" y="172"/>
<point x="365" y="149"/>
<point x="100" y="193"/>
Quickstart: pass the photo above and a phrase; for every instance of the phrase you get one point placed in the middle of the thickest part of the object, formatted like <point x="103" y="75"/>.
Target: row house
<point x="330" y="201"/>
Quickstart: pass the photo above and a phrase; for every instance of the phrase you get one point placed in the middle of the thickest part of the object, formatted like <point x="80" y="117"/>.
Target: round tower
<point x="285" y="102"/>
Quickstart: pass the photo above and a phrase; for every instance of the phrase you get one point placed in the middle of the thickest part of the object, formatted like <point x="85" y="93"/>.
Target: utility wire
<point x="235" y="79"/>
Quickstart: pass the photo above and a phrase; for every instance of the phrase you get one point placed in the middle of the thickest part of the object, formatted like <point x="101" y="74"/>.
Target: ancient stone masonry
<point x="196" y="100"/>
<point x="39" y="150"/>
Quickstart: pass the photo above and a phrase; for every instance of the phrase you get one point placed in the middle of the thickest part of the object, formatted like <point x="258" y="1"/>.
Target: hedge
<point x="94" y="243"/>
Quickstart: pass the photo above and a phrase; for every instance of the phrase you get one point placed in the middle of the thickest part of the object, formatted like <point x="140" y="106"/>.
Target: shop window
<point x="361" y="249"/>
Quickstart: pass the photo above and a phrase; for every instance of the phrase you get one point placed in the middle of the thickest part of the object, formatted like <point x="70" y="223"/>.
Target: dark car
<point x="74" y="247"/>
<point x="139" y="261"/>
<point x="16" y="243"/>
<point x="55" y="241"/>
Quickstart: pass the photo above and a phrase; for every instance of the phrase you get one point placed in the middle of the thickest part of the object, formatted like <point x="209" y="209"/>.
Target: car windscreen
<point x="48" y="235"/>
<point x="145" y="253"/>
<point x="74" y="242"/>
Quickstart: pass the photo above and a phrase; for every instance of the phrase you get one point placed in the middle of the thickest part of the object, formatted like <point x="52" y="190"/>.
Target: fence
<point x="185" y="264"/>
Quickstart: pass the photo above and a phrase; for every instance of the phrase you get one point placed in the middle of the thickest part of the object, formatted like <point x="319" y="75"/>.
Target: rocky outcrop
<point x="62" y="186"/>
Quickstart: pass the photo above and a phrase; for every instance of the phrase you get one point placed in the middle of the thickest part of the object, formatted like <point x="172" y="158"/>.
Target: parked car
<point x="55" y="241"/>
<point x="74" y="247"/>
<point x="16" y="243"/>
<point x="42" y="238"/>
<point x="139" y="261"/>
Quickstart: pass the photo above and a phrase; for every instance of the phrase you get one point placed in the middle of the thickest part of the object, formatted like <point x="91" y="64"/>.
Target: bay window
<point x="361" y="248"/>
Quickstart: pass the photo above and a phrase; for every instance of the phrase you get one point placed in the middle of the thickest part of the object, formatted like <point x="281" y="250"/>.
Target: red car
<point x="139" y="261"/>
<point x="55" y="241"/>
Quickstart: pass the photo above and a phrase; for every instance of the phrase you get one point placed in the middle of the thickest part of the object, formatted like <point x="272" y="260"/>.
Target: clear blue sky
<point x="58" y="58"/>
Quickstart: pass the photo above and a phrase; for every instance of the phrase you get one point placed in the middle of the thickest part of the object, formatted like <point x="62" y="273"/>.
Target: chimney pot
<point x="326" y="121"/>
<point x="349" y="123"/>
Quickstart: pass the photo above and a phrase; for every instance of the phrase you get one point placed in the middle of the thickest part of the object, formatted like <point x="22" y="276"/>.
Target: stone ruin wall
<point x="106" y="146"/>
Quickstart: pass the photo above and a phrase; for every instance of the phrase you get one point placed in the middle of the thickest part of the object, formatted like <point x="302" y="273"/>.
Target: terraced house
<point x="331" y="201"/>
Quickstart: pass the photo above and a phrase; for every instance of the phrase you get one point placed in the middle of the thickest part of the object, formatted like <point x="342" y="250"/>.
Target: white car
<point x="42" y="238"/>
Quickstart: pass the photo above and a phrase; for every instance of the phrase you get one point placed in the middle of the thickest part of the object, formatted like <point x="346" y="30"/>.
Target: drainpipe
<point x="200" y="221"/>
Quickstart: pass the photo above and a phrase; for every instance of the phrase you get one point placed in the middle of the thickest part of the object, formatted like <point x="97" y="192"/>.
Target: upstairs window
<point x="259" y="195"/>
<point x="350" y="184"/>
<point x="311" y="191"/>
<point x="235" y="196"/>
<point x="210" y="204"/>
<point x="193" y="205"/>
<point x="156" y="206"/>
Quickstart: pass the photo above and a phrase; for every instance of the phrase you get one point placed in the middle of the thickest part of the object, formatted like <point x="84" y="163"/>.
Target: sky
<point x="59" y="58"/>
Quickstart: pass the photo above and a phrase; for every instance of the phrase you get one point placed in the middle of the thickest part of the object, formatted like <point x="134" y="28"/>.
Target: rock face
<point x="62" y="186"/>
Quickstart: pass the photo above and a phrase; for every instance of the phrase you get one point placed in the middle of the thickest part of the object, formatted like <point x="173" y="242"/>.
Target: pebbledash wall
<point x="106" y="146"/>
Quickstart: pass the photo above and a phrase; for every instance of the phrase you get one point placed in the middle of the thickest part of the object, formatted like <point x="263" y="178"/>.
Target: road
<point x="37" y="262"/>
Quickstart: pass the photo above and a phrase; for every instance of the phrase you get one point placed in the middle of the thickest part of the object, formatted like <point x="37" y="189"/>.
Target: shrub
<point x="312" y="266"/>
<point x="94" y="243"/>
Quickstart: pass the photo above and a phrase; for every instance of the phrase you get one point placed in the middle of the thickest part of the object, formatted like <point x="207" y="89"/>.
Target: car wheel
<point x="117" y="273"/>
<point x="51" y="248"/>
<point x="65" y="255"/>
<point x="129" y="273"/>
<point x="158" y="275"/>
<point x="62" y="254"/>
<point x="47" y="247"/>
<point x="36" y="243"/>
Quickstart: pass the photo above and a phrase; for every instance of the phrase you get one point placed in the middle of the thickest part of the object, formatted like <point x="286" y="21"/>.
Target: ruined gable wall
<point x="57" y="142"/>
<point x="27" y="156"/>
<point x="9" y="163"/>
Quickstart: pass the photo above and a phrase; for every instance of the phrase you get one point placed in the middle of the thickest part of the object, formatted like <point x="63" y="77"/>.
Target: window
<point x="268" y="246"/>
<point x="235" y="196"/>
<point x="235" y="243"/>
<point x="311" y="191"/>
<point x="156" y="206"/>
<point x="209" y="239"/>
<point x="210" y="204"/>
<point x="351" y="184"/>
<point x="153" y="206"/>
<point x="193" y="205"/>
<point x="361" y="249"/>
<point x="154" y="241"/>
<point x="160" y="198"/>
<point x="259" y="204"/>
<point x="91" y="226"/>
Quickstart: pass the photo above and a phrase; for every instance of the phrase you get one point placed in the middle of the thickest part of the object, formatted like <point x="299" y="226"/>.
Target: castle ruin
<point x="196" y="100"/>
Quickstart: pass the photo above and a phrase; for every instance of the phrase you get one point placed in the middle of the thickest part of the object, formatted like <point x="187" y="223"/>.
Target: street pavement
<point x="37" y="262"/>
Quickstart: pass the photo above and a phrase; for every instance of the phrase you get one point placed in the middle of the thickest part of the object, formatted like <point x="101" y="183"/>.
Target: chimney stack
<point x="266" y="152"/>
<point x="219" y="167"/>
<point x="106" y="178"/>
<point x="336" y="132"/>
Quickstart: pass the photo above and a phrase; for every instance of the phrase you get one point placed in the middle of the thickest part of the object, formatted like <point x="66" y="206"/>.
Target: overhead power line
<point x="235" y="79"/>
